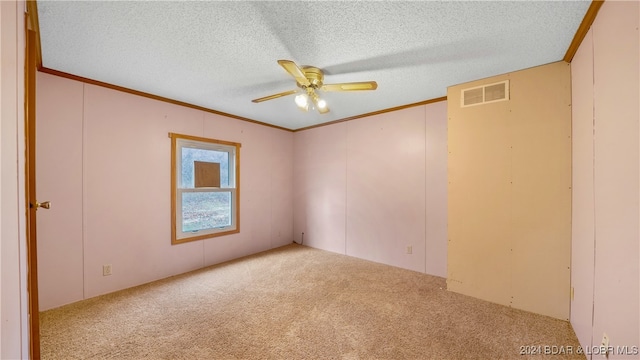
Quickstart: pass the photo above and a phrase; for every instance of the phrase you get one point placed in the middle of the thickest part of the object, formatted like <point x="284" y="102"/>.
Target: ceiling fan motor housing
<point x="314" y="75"/>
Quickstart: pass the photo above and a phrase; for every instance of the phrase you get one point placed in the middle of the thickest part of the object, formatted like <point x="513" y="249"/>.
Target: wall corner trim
<point x="584" y="27"/>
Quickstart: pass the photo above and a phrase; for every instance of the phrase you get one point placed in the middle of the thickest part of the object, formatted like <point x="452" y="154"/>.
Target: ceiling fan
<point x="310" y="79"/>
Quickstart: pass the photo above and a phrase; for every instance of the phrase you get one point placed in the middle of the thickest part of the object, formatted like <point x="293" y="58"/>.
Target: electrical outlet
<point x="604" y="346"/>
<point x="409" y="249"/>
<point x="106" y="270"/>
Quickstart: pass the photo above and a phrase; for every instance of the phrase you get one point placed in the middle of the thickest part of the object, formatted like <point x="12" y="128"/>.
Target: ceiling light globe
<point x="302" y="100"/>
<point x="322" y="104"/>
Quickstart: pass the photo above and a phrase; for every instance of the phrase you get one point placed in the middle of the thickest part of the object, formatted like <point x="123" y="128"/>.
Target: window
<point x="205" y="180"/>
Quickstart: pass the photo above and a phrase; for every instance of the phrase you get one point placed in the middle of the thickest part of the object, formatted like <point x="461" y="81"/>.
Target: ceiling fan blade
<point x="274" y="96"/>
<point x="354" y="86"/>
<point x="295" y="71"/>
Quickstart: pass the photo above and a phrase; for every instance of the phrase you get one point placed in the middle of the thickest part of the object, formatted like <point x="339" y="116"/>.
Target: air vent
<point x="485" y="94"/>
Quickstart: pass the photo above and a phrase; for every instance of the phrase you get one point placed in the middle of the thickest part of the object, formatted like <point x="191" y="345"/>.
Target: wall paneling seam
<point x="83" y="191"/>
<point x="426" y="202"/>
<point x="593" y="171"/>
<point x="346" y="185"/>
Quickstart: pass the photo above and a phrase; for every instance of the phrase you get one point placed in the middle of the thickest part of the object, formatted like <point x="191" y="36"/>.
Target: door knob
<point x="44" y="205"/>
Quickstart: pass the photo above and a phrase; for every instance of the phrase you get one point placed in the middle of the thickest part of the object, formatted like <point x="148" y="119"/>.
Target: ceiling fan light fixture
<point x="309" y="79"/>
<point x="302" y="101"/>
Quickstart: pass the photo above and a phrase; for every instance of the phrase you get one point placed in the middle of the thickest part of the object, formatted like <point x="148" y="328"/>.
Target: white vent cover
<point x="485" y="94"/>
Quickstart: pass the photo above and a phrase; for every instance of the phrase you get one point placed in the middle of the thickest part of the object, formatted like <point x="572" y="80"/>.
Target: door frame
<point x="33" y="61"/>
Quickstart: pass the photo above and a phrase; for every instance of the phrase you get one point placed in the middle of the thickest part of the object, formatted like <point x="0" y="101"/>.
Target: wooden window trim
<point x="174" y="187"/>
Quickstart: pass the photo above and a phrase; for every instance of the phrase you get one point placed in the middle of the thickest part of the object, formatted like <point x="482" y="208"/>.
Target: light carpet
<point x="296" y="302"/>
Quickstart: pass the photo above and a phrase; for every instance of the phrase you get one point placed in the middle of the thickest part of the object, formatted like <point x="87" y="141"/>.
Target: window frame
<point x="177" y="142"/>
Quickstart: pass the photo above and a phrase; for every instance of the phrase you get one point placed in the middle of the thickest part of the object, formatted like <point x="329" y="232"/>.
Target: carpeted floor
<point x="297" y="302"/>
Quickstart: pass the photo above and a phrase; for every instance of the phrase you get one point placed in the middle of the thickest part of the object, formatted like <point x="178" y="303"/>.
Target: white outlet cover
<point x="605" y="345"/>
<point x="106" y="270"/>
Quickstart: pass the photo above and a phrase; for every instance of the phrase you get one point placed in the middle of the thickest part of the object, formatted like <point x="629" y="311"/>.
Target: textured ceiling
<point x="221" y="55"/>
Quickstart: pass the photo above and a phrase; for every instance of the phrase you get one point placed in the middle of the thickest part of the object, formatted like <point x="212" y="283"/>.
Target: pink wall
<point x="63" y="187"/>
<point x="386" y="188"/>
<point x="606" y="117"/>
<point x="582" y="207"/>
<point x="14" y="337"/>
<point x="319" y="202"/>
<point x="370" y="188"/>
<point x="103" y="160"/>
<point x="436" y="188"/>
<point x="266" y="200"/>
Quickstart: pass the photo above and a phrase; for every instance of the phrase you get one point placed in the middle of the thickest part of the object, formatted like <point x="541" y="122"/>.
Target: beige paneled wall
<point x="510" y="192"/>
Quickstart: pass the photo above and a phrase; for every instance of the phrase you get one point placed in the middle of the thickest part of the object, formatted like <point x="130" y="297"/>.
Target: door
<point x="31" y="63"/>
